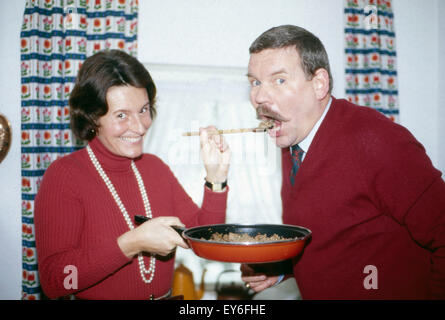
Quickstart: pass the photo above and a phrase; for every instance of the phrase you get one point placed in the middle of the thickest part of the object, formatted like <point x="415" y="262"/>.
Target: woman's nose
<point x="139" y="125"/>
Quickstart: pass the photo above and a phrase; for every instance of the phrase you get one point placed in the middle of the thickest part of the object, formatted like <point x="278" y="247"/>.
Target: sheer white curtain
<point x="191" y="97"/>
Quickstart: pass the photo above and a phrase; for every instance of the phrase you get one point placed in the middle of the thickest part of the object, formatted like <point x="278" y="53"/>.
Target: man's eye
<point x="255" y="83"/>
<point x="121" y="115"/>
<point x="280" y="81"/>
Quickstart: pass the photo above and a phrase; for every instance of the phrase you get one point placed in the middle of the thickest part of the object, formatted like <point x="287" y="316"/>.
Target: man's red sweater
<point x="78" y="222"/>
<point x="372" y="198"/>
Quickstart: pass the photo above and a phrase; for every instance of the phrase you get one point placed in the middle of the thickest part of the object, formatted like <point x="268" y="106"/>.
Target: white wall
<point x="441" y="80"/>
<point x="417" y="40"/>
<point x="204" y="32"/>
<point x="11" y="13"/>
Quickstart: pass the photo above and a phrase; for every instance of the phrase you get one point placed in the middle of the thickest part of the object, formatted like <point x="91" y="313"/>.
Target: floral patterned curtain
<point x="371" y="73"/>
<point x="57" y="36"/>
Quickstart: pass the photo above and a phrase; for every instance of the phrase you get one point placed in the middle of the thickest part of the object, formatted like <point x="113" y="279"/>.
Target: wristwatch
<point x="216" y="186"/>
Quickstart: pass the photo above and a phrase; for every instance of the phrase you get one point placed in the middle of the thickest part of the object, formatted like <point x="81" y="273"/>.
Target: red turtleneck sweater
<point x="77" y="223"/>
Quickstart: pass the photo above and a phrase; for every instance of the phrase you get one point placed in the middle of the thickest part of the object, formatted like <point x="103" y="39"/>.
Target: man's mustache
<point x="263" y="110"/>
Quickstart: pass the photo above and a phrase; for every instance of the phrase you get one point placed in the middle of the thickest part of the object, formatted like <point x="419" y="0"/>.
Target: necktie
<point x="297" y="155"/>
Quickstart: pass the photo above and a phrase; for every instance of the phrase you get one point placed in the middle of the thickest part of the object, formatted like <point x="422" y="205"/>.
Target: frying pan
<point x="244" y="252"/>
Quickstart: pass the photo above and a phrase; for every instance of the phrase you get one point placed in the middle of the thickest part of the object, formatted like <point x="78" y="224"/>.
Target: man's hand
<point x="256" y="281"/>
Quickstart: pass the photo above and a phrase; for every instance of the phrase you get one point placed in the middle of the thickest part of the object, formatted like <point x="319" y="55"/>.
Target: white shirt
<point x="306" y="142"/>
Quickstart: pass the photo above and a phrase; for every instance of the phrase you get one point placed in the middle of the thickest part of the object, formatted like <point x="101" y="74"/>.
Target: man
<point x="361" y="183"/>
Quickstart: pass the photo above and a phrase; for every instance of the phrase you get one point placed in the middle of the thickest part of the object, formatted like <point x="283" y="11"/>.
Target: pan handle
<point x="141" y="219"/>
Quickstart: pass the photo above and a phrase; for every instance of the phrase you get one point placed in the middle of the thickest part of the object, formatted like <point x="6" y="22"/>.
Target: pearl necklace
<point x="143" y="270"/>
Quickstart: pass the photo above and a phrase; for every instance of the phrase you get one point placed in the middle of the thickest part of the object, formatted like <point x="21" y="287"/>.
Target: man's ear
<point x="320" y="81"/>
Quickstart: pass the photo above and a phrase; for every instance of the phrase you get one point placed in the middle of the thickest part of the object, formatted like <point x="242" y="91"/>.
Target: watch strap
<point x="216" y="186"/>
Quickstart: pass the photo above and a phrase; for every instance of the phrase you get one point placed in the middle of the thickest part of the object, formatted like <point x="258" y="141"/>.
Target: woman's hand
<point x="215" y="154"/>
<point x="153" y="236"/>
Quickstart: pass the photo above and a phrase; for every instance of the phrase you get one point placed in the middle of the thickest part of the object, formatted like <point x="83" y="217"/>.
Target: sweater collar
<point x="108" y="160"/>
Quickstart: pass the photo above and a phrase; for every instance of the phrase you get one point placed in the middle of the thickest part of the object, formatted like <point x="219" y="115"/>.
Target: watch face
<point x="217" y="187"/>
<point x="5" y="137"/>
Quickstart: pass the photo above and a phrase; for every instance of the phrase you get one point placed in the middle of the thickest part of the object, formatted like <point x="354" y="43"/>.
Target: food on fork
<point x="263" y="126"/>
<point x="266" y="124"/>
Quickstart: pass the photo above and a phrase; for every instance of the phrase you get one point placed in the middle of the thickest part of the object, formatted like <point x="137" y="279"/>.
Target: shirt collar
<point x="306" y="142"/>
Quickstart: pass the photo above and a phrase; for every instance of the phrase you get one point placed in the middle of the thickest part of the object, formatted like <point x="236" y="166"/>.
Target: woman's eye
<point x="144" y="109"/>
<point x="121" y="115"/>
<point x="279" y="81"/>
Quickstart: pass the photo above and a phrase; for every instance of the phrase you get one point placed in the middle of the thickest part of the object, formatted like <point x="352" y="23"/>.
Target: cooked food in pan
<point x="244" y="237"/>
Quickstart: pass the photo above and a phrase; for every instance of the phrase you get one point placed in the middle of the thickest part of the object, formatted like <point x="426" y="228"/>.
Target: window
<point x="192" y="97"/>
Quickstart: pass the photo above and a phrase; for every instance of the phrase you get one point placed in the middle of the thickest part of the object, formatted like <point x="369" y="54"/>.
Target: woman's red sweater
<point x="78" y="222"/>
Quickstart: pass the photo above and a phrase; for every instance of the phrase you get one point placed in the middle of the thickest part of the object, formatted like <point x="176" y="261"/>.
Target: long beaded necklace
<point x="143" y="270"/>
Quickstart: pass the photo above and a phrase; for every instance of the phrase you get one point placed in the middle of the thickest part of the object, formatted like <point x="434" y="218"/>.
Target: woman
<point x="87" y="242"/>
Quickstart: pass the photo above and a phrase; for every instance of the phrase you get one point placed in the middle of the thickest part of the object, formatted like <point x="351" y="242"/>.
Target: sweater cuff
<point x="215" y="201"/>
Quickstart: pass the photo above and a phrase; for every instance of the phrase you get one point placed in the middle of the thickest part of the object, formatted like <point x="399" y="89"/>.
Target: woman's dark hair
<point x="98" y="73"/>
<point x="312" y="52"/>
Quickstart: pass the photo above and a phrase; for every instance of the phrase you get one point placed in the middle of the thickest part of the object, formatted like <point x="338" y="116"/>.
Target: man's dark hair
<point x="312" y="52"/>
<point x="98" y="73"/>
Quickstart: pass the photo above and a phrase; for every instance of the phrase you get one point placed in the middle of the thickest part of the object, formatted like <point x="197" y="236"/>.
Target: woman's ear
<point x="320" y="81"/>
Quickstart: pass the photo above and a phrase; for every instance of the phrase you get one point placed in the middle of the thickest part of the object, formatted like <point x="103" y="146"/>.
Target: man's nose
<point x="261" y="95"/>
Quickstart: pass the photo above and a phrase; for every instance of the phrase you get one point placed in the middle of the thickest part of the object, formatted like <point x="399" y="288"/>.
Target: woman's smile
<point x="131" y="139"/>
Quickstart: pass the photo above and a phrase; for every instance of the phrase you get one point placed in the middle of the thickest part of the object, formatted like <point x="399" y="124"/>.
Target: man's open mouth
<point x="276" y="129"/>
